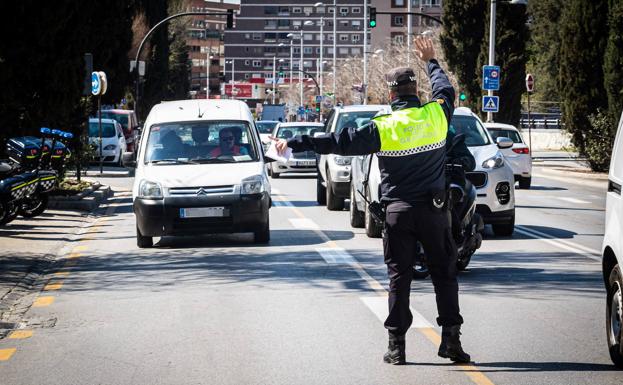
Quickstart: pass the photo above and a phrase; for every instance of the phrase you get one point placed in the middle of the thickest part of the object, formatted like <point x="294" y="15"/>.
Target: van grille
<point x="198" y="191"/>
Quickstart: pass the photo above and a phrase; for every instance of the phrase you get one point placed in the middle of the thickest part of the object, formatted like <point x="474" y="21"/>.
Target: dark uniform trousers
<point x="405" y="224"/>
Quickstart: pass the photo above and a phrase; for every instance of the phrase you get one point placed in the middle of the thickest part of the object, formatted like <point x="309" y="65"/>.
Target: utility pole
<point x="321" y="51"/>
<point x="491" y="48"/>
<point x="291" y="61"/>
<point x="274" y="80"/>
<point x="334" y="47"/>
<point x="301" y="67"/>
<point x="208" y="73"/>
<point x="409" y="32"/>
<point x="365" y="51"/>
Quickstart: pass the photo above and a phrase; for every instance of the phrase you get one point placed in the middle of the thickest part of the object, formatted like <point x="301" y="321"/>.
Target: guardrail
<point x="541" y="123"/>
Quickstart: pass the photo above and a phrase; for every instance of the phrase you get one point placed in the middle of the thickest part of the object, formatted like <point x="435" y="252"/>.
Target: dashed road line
<point x="43" y="301"/>
<point x="378" y="306"/>
<point x="20" y="334"/>
<point x="53" y="286"/>
<point x="5" y="354"/>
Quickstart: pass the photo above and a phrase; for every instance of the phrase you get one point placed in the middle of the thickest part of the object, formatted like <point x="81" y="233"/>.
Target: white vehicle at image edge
<point x="518" y="156"/>
<point x="113" y="141"/>
<point x="612" y="251"/>
<point x="492" y="177"/>
<point x="300" y="162"/>
<point x="200" y="169"/>
<point x="334" y="171"/>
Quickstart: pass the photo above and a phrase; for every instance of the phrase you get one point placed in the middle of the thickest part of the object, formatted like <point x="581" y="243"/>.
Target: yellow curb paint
<point x="43" y="301"/>
<point x="5" y="354"/>
<point x="20" y="334"/>
<point x="80" y="248"/>
<point x="61" y="274"/>
<point x="53" y="286"/>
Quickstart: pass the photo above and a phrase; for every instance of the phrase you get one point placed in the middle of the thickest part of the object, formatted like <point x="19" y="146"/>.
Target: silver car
<point x="300" y="161"/>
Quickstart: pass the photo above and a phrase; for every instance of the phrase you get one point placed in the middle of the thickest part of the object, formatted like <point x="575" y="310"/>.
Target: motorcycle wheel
<point x="11" y="214"/>
<point x="464" y="260"/>
<point x="34" y="206"/>
<point x="4" y="212"/>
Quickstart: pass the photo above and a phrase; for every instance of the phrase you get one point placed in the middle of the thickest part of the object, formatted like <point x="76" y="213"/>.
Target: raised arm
<point x="440" y="84"/>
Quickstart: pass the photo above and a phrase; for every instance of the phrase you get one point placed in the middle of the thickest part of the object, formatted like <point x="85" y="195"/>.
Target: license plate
<point x="306" y="163"/>
<point x="204" y="212"/>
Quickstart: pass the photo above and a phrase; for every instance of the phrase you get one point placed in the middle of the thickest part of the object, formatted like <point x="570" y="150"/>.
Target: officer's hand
<point x="424" y="48"/>
<point x="280" y="144"/>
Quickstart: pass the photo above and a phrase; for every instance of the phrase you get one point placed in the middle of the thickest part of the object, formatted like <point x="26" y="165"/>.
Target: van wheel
<point x="614" y="316"/>
<point x="524" y="183"/>
<point x="143" y="241"/>
<point x="263" y="235"/>
<point x="357" y="218"/>
<point x="373" y="228"/>
<point x="504" y="229"/>
<point x="333" y="203"/>
<point x="321" y="193"/>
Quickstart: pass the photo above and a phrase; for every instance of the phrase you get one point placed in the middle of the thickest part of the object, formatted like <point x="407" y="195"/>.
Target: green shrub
<point x="599" y="140"/>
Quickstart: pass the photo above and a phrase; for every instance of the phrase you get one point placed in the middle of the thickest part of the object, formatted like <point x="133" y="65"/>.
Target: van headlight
<point x="253" y="185"/>
<point x="496" y="161"/>
<point x="343" y="160"/>
<point x="150" y="190"/>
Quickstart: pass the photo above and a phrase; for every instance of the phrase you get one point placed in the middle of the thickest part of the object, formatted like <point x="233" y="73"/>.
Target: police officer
<point x="410" y="145"/>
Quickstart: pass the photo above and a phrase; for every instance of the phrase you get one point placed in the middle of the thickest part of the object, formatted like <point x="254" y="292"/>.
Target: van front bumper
<point x="161" y="217"/>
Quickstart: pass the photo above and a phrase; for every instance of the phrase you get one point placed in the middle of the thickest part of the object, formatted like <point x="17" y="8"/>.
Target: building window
<point x="356" y="51"/>
<point x="344" y="11"/>
<point x="246" y="49"/>
<point x="398" y="20"/>
<point x="307" y="63"/>
<point x="343" y="23"/>
<point x="296" y="10"/>
<point x="270" y="10"/>
<point x="257" y="36"/>
<point x="296" y="50"/>
<point x="331" y="9"/>
<point x="270" y="37"/>
<point x="283" y="23"/>
<point x="398" y="3"/>
<point x="247" y="62"/>
<point x="307" y="50"/>
<point x="318" y="50"/>
<point x="343" y="51"/>
<point x="356" y="23"/>
<point x="356" y="10"/>
<point x="320" y="10"/>
<point x="330" y="51"/>
<point x="283" y="10"/>
<point x="308" y="36"/>
<point x="270" y="24"/>
<point x="308" y="10"/>
<point x="296" y="23"/>
<point x="330" y="37"/>
<point x="246" y="76"/>
<point x="356" y="38"/>
<point x="344" y="37"/>
<point x="257" y="63"/>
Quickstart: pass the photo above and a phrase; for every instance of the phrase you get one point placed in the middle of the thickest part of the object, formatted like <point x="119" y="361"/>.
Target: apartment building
<point x="394" y="26"/>
<point x="205" y="42"/>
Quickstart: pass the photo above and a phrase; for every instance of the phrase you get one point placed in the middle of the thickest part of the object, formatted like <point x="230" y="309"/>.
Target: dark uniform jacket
<point x="412" y="178"/>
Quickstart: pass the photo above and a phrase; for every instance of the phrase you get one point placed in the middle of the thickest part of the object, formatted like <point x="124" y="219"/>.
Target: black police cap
<point x="400" y="76"/>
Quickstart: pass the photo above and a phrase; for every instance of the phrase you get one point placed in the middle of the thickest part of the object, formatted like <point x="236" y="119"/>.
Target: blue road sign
<point x="491" y="78"/>
<point x="301" y="110"/>
<point x="96" y="84"/>
<point x="490" y="103"/>
<point x="318" y="98"/>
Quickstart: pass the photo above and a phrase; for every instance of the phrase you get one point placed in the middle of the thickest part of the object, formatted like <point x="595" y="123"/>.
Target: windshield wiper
<point x="214" y="160"/>
<point x="172" y="161"/>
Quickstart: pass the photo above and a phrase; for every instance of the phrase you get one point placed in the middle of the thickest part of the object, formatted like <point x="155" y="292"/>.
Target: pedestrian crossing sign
<point x="490" y="103"/>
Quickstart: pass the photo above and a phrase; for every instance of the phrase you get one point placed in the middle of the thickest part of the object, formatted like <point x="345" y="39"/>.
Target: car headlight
<point x="110" y="147"/>
<point x="253" y="185"/>
<point x="343" y="160"/>
<point x="496" y="161"/>
<point x="151" y="190"/>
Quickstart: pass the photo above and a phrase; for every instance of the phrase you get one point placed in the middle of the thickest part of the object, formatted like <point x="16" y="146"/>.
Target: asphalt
<point x="303" y="309"/>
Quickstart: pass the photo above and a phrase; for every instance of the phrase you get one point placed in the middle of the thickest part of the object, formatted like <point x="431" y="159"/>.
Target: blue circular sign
<point x="96" y="84"/>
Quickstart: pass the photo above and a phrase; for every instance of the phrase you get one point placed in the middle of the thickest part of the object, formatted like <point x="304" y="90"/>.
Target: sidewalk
<point x="27" y="248"/>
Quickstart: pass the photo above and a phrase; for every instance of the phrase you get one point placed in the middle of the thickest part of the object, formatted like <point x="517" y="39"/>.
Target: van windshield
<point x="200" y="142"/>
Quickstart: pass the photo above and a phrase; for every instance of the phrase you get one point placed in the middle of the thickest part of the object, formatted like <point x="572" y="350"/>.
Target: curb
<point x="87" y="200"/>
<point x="575" y="173"/>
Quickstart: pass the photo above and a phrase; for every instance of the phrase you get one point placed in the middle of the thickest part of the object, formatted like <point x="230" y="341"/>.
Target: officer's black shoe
<point x="451" y="345"/>
<point x="396" y="350"/>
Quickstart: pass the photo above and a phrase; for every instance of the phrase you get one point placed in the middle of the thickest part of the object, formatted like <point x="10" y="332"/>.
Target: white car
<point x="265" y="128"/>
<point x="198" y="174"/>
<point x="612" y="251"/>
<point x="518" y="156"/>
<point x="300" y="161"/>
<point x="492" y="177"/>
<point x="333" y="182"/>
<point x="113" y="141"/>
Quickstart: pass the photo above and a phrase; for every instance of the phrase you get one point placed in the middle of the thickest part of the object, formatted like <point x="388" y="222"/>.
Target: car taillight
<point x="524" y="150"/>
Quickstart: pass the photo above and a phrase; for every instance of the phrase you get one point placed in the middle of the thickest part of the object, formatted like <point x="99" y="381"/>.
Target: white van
<point x="612" y="251"/>
<point x="200" y="169"/>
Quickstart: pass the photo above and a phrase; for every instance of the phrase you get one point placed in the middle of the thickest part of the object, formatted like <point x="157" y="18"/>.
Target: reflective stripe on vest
<point x="412" y="130"/>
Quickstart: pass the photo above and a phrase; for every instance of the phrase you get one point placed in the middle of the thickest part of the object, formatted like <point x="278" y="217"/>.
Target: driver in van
<point x="227" y="144"/>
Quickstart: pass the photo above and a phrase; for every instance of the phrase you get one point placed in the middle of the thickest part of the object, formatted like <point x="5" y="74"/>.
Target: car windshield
<point x="121" y="118"/>
<point x="354" y="119"/>
<point x="265" y="127"/>
<point x="200" y="142"/>
<point x="475" y="134"/>
<point x="512" y="135"/>
<point x="108" y="130"/>
<point x="291" y="131"/>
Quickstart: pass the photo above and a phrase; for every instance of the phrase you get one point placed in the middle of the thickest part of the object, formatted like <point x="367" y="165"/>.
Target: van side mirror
<point x="128" y="161"/>
<point x="503" y="142"/>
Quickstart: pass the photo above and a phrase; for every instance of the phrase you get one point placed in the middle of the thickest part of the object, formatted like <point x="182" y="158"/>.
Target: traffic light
<point x="281" y="73"/>
<point x="230" y="18"/>
<point x="462" y="96"/>
<point x="318" y="108"/>
<point x="372" y="21"/>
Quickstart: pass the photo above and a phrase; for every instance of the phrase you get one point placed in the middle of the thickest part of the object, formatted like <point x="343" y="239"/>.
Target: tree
<point x="584" y="32"/>
<point x="613" y="62"/>
<point x="179" y="58"/>
<point x="510" y="48"/>
<point x="545" y="47"/>
<point x="462" y="39"/>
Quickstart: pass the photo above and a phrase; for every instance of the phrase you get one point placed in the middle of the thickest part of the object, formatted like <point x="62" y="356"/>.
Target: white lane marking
<point x="303" y="223"/>
<point x="282" y="204"/>
<point x="378" y="306"/>
<point x="333" y="255"/>
<point x="573" y="247"/>
<point x="574" y="200"/>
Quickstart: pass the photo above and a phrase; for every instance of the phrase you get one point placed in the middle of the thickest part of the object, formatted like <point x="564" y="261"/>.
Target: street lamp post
<point x="274" y="80"/>
<point x="365" y="51"/>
